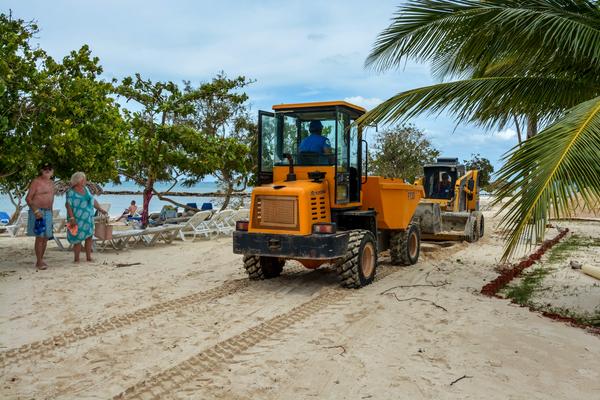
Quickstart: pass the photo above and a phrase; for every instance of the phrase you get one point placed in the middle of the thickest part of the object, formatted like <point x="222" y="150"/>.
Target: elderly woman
<point x="80" y="209"/>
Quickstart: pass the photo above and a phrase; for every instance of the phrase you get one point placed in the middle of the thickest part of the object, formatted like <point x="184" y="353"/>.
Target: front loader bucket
<point x="443" y="226"/>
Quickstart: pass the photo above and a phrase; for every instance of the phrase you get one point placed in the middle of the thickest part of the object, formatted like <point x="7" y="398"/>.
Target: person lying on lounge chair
<point x="129" y="211"/>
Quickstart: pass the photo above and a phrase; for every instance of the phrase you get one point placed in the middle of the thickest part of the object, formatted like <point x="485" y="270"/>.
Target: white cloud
<point x="367" y="103"/>
<point x="296" y="51"/>
<point x="506" y="134"/>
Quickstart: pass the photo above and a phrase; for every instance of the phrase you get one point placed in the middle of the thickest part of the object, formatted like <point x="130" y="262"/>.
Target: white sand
<point x="329" y="342"/>
<point x="567" y="288"/>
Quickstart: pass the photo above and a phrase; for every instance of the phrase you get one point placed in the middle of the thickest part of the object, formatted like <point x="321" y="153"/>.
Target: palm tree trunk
<point x="518" y="126"/>
<point x="532" y="126"/>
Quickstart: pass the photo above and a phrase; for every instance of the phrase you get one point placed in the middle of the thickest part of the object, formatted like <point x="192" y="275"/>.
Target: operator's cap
<point x="45" y="165"/>
<point x="315" y="126"/>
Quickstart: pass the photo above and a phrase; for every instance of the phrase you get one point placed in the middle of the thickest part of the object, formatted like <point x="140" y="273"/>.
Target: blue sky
<point x="295" y="50"/>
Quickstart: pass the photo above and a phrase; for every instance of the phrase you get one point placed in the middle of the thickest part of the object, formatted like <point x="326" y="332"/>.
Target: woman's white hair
<point x="77" y="177"/>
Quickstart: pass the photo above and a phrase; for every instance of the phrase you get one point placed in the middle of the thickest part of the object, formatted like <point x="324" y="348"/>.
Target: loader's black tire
<point x="259" y="268"/>
<point x="472" y="229"/>
<point x="358" y="266"/>
<point x="405" y="246"/>
<point x="480" y="225"/>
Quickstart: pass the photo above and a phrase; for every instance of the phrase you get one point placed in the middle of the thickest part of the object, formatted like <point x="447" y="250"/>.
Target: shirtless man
<point x="40" y="199"/>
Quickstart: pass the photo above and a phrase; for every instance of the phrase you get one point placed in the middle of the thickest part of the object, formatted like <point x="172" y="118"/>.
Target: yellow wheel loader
<point x="315" y="202"/>
<point x="450" y="209"/>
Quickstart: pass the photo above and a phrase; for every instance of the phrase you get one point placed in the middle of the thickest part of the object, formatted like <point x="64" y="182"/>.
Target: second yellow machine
<point x="316" y="204"/>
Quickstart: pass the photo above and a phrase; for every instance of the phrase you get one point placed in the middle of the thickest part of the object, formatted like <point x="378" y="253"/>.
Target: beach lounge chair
<point x="206" y="207"/>
<point x="241" y="214"/>
<point x="58" y="222"/>
<point x="197" y="225"/>
<point x="219" y="222"/>
<point x="136" y="217"/>
<point x="164" y="233"/>
<point x="4" y="218"/>
<point x="19" y="225"/>
<point x="122" y="239"/>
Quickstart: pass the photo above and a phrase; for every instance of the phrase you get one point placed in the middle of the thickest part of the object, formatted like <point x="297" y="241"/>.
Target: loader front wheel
<point x="472" y="229"/>
<point x="480" y="225"/>
<point x="358" y="266"/>
<point x="405" y="246"/>
<point x="259" y="268"/>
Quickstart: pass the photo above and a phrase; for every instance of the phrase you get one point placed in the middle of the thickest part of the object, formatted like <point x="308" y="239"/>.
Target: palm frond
<point x="550" y="173"/>
<point x="487" y="101"/>
<point x="474" y="32"/>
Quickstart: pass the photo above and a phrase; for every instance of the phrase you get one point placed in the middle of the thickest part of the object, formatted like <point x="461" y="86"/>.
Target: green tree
<point x="60" y="112"/>
<point x="536" y="61"/>
<point x="162" y="144"/>
<point x="485" y="167"/>
<point x="221" y="111"/>
<point x="401" y="152"/>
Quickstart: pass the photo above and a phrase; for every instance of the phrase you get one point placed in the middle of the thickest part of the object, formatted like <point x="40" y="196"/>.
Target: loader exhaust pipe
<point x="291" y="176"/>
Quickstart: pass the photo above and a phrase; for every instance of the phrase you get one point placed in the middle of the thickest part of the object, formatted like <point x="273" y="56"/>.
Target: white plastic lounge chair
<point x="219" y="222"/>
<point x="241" y="214"/>
<point x="165" y="233"/>
<point x="122" y="239"/>
<point x="20" y="224"/>
<point x="197" y="225"/>
<point x="58" y="222"/>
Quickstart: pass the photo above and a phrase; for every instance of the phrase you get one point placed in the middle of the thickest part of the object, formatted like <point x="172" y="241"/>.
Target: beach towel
<point x="83" y="209"/>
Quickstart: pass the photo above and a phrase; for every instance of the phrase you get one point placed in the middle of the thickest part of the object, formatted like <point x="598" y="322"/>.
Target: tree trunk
<point x="519" y="136"/>
<point x="175" y="203"/>
<point x="532" y="128"/>
<point x="148" y="191"/>
<point x="18" y="206"/>
<point x="227" y="194"/>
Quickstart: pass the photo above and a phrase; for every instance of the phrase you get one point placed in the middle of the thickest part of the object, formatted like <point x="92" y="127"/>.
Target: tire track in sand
<point x="43" y="347"/>
<point x="210" y="359"/>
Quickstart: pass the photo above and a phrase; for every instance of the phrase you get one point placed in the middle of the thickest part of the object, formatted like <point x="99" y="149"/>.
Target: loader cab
<point x="433" y="177"/>
<point x="281" y="133"/>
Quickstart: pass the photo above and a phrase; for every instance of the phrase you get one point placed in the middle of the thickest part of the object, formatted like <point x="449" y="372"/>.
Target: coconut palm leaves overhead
<point x="529" y="60"/>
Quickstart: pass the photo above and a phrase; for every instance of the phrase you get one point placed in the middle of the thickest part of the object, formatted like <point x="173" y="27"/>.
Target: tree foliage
<point x="221" y="111"/>
<point x="61" y="112"/>
<point x="485" y="168"/>
<point x="535" y="60"/>
<point x="162" y="145"/>
<point x="401" y="152"/>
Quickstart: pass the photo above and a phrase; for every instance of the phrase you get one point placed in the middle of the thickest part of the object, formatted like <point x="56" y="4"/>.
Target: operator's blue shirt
<point x="315" y="143"/>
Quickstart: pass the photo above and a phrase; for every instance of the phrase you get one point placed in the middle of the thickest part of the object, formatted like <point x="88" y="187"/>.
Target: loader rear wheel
<point x="358" y="266"/>
<point x="405" y="246"/>
<point x="259" y="267"/>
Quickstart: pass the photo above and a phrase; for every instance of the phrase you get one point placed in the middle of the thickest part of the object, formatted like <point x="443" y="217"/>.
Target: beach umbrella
<point x="61" y="187"/>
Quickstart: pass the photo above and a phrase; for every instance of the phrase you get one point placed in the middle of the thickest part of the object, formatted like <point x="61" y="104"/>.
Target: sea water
<point x="120" y="202"/>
